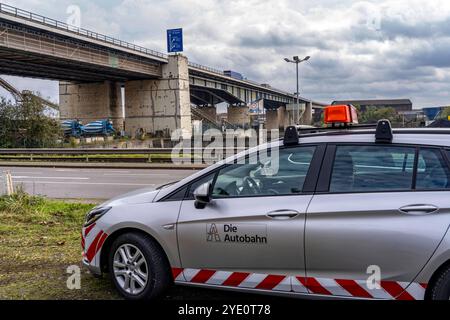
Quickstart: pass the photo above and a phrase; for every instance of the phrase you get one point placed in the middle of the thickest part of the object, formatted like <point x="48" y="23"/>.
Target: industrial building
<point x="400" y="105"/>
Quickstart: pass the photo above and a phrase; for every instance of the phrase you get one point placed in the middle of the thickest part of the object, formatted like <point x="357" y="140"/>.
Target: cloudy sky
<point x="358" y="49"/>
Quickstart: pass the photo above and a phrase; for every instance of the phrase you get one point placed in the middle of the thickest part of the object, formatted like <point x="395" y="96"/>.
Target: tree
<point x="446" y="113"/>
<point x="373" y="115"/>
<point x="25" y="125"/>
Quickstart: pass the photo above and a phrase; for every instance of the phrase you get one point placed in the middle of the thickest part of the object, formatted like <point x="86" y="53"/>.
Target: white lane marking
<point x="136" y="174"/>
<point x="26" y="172"/>
<point x="88" y="183"/>
<point x="57" y="178"/>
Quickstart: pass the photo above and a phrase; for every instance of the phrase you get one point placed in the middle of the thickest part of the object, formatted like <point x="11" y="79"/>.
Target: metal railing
<point x="204" y="116"/>
<point x="64" y="151"/>
<point x="16" y="12"/>
<point x="155" y="155"/>
<point x="205" y="68"/>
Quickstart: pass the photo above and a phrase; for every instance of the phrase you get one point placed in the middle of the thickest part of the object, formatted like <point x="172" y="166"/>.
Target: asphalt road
<point x="90" y="184"/>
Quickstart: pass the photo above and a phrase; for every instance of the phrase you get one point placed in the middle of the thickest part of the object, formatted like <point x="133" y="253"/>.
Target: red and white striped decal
<point x="96" y="245"/>
<point x="83" y="242"/>
<point x="89" y="229"/>
<point x="234" y="279"/>
<point x="320" y="286"/>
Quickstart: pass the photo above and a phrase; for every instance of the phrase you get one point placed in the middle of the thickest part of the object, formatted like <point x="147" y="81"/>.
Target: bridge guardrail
<point x="65" y="151"/>
<point x="7" y="9"/>
<point x="106" y="155"/>
<point x="202" y="67"/>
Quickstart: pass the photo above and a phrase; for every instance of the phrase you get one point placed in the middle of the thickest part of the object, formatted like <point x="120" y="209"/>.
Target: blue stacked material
<point x="71" y="128"/>
<point x="100" y="127"/>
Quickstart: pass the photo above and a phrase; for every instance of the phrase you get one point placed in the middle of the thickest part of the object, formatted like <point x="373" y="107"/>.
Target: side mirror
<point x="202" y="195"/>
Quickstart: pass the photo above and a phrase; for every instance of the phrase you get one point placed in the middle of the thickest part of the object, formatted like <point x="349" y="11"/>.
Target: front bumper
<point x="92" y="241"/>
<point x="92" y="268"/>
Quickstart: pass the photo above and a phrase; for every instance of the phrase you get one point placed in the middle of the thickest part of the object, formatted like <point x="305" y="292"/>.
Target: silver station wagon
<point x="346" y="213"/>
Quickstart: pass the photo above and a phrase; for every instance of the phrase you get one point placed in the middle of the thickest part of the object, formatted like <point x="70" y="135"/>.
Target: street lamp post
<point x="297" y="61"/>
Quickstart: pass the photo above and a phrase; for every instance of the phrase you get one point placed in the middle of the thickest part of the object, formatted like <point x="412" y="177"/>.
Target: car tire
<point x="150" y="266"/>
<point x="441" y="287"/>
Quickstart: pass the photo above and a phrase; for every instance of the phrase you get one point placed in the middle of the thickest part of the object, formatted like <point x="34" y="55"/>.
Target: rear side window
<point x="432" y="171"/>
<point x="372" y="168"/>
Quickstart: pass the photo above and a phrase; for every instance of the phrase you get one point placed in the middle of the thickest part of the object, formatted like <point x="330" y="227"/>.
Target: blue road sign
<point x="175" y="40"/>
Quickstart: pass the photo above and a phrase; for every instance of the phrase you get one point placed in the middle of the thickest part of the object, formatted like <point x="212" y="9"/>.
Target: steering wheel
<point x="250" y="184"/>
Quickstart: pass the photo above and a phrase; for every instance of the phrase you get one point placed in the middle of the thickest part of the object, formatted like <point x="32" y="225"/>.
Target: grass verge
<point x="39" y="239"/>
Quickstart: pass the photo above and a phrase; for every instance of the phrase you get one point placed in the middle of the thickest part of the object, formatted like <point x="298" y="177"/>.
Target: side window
<point x="285" y="177"/>
<point x="432" y="171"/>
<point x="198" y="183"/>
<point x="372" y="168"/>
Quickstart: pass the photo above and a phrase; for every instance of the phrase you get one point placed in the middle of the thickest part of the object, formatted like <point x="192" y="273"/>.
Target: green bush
<point x="26" y="125"/>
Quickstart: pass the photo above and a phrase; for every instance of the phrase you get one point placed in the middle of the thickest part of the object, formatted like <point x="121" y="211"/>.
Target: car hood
<point x="140" y="196"/>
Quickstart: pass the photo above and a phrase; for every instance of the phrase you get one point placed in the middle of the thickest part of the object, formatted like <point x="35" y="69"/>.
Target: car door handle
<point x="283" y="214"/>
<point x="418" y="209"/>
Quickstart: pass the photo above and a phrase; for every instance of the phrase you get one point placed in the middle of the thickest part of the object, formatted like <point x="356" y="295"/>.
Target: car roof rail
<point x="384" y="133"/>
<point x="291" y="136"/>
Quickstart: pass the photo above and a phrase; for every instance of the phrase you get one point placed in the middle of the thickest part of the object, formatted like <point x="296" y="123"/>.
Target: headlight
<point x="95" y="214"/>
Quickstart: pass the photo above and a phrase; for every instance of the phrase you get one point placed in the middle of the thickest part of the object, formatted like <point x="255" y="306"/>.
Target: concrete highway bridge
<point x="160" y="90"/>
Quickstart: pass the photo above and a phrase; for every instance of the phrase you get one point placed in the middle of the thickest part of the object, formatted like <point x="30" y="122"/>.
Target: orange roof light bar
<point x="341" y="114"/>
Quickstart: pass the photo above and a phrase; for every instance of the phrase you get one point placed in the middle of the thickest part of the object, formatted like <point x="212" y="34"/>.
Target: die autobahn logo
<point x="234" y="233"/>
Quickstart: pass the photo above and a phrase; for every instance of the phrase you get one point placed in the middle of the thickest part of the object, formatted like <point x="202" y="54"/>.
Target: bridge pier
<point x="91" y="101"/>
<point x="282" y="118"/>
<point x="307" y="116"/>
<point x="160" y="106"/>
<point x="210" y="111"/>
<point x="272" y="119"/>
<point x="239" y="116"/>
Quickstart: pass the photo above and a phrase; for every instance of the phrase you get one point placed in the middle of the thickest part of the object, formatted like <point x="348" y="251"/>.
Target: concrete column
<point x="91" y="101"/>
<point x="210" y="111"/>
<point x="238" y="115"/>
<point x="282" y="117"/>
<point x="307" y="118"/>
<point x="160" y="106"/>
<point x="272" y="121"/>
